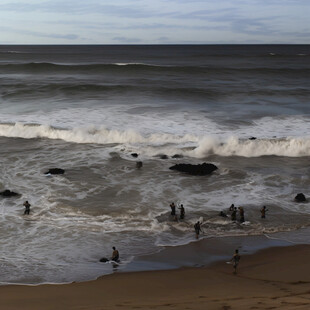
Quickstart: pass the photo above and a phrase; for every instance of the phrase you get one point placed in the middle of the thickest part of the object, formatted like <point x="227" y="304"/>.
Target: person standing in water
<point x="115" y="255"/>
<point x="172" y="206"/>
<point x="182" y="212"/>
<point x="263" y="211"/>
<point x="231" y="208"/>
<point x="241" y="212"/>
<point x="197" y="229"/>
<point x="234" y="214"/>
<point x="235" y="259"/>
<point x="27" y="207"/>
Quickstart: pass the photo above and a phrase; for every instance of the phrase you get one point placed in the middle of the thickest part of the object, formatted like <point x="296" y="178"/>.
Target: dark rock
<point x="163" y="157"/>
<point x="135" y="155"/>
<point x="252" y="138"/>
<point x="177" y="156"/>
<point x="8" y="193"/>
<point x="300" y="197"/>
<point x="104" y="260"/>
<point x="139" y="164"/>
<point x="55" y="171"/>
<point x="202" y="169"/>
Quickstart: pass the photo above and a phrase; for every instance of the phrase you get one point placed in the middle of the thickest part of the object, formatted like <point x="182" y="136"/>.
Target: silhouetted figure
<point x="115" y="255"/>
<point x="235" y="259"/>
<point x="234" y="214"/>
<point x="197" y="229"/>
<point x="263" y="211"/>
<point x="172" y="206"/>
<point x="231" y="208"/>
<point x="27" y="207"/>
<point x="241" y="212"/>
<point x="182" y="212"/>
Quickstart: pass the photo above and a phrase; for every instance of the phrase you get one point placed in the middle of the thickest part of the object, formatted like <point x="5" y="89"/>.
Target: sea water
<point x="87" y="109"/>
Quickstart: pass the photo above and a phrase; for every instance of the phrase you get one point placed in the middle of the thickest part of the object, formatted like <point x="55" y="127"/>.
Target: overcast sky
<point x="154" y="21"/>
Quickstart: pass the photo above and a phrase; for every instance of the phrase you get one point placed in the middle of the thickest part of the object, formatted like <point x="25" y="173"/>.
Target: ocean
<point x="87" y="109"/>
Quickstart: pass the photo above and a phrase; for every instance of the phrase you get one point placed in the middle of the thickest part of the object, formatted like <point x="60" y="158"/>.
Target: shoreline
<point x="276" y="277"/>
<point x="209" y="250"/>
<point x="195" y="254"/>
<point x="273" y="273"/>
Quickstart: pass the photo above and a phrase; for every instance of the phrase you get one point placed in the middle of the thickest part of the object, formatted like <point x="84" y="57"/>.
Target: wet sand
<point x="273" y="278"/>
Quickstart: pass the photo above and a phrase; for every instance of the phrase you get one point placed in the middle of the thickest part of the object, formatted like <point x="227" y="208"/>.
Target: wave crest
<point x="202" y="146"/>
<point x="290" y="147"/>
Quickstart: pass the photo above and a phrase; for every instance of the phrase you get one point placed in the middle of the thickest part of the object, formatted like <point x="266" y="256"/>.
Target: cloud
<point x="86" y="7"/>
<point x="138" y="21"/>
<point x="40" y="34"/>
<point x="126" y="40"/>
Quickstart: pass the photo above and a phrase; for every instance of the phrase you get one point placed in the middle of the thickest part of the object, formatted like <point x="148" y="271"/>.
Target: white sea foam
<point x="290" y="147"/>
<point x="207" y="145"/>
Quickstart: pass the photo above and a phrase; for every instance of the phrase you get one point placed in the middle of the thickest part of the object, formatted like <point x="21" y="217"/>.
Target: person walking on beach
<point x="197" y="229"/>
<point x="263" y="211"/>
<point x="182" y="212"/>
<point x="27" y="207"/>
<point x="235" y="259"/>
<point x="115" y="255"/>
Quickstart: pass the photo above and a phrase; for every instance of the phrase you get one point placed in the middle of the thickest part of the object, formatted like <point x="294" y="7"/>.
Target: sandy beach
<point x="273" y="278"/>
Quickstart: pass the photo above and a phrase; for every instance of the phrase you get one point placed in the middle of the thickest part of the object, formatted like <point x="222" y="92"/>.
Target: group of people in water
<point x="197" y="226"/>
<point x="173" y="211"/>
<point x="232" y="210"/>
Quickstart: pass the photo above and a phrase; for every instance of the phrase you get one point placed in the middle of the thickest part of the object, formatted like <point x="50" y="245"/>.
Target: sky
<point x="155" y="22"/>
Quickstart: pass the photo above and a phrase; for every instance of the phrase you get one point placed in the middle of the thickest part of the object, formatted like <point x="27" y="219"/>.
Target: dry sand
<point x="275" y="278"/>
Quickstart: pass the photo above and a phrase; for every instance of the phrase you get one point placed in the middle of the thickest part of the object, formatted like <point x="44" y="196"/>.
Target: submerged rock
<point x="55" y="171"/>
<point x="8" y="193"/>
<point x="135" y="155"/>
<point x="104" y="260"/>
<point x="139" y="164"/>
<point x="300" y="197"/>
<point x="202" y="169"/>
<point x="177" y="156"/>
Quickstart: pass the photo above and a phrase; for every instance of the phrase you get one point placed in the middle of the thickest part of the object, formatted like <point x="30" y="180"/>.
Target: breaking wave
<point x="201" y="146"/>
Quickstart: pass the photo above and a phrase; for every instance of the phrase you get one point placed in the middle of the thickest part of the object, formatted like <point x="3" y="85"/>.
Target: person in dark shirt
<point x="172" y="206"/>
<point x="241" y="212"/>
<point x="234" y="214"/>
<point x="27" y="207"/>
<point x="263" y="211"/>
<point x="197" y="229"/>
<point x="182" y="212"/>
